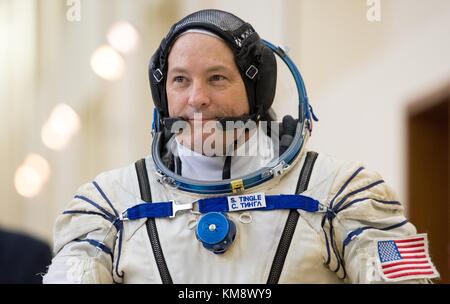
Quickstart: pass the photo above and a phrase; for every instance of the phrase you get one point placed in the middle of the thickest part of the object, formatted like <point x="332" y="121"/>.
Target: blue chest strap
<point x="222" y="204"/>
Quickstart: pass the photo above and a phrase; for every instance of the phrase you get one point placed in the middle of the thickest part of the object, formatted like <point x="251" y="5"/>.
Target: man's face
<point x="203" y="78"/>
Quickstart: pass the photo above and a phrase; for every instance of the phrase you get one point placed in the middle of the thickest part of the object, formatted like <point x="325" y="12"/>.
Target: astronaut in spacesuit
<point x="184" y="215"/>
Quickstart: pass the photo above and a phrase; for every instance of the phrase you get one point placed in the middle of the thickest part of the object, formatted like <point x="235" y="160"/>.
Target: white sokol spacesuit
<point x="313" y="257"/>
<point x="357" y="234"/>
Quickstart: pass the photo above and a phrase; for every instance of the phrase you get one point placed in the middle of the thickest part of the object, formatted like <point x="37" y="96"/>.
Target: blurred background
<point x="75" y="100"/>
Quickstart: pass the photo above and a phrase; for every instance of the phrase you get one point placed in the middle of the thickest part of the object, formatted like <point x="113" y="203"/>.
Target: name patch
<point x="247" y="201"/>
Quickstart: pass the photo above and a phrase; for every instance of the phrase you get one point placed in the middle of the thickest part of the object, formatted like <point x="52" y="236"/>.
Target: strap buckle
<point x="321" y="208"/>
<point x="124" y="215"/>
<point x="180" y="207"/>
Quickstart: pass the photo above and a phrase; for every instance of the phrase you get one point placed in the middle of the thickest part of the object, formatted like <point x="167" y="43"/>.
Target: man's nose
<point x="199" y="97"/>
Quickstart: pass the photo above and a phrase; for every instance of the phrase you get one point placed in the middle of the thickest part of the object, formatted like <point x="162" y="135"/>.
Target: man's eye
<point x="178" y="79"/>
<point x="217" y="78"/>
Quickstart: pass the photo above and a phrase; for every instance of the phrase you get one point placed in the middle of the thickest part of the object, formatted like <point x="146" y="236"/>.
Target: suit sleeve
<point x="364" y="228"/>
<point x="85" y="238"/>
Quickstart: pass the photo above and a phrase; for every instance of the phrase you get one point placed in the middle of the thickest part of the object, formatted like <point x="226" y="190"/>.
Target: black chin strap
<point x="168" y="123"/>
<point x="226" y="172"/>
<point x="243" y="118"/>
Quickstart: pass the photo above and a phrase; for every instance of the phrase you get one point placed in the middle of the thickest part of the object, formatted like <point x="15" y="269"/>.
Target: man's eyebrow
<point x="177" y="70"/>
<point x="215" y="68"/>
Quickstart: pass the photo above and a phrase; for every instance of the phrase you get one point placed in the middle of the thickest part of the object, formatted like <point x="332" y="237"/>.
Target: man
<point x="205" y="209"/>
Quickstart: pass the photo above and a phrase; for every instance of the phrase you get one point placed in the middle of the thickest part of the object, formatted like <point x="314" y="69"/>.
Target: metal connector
<point x="279" y="169"/>
<point x="180" y="207"/>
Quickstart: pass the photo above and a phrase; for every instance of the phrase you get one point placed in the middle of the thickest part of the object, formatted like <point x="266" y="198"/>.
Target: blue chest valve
<point x="216" y="232"/>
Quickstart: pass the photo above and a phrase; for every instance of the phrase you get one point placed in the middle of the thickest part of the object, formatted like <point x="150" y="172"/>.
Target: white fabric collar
<point x="209" y="168"/>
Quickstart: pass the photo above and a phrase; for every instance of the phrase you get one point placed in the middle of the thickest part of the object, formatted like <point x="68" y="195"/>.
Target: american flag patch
<point x="405" y="258"/>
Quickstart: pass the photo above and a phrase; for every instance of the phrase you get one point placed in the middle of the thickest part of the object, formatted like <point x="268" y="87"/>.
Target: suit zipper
<point x="151" y="224"/>
<point x="157" y="250"/>
<point x="291" y="223"/>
